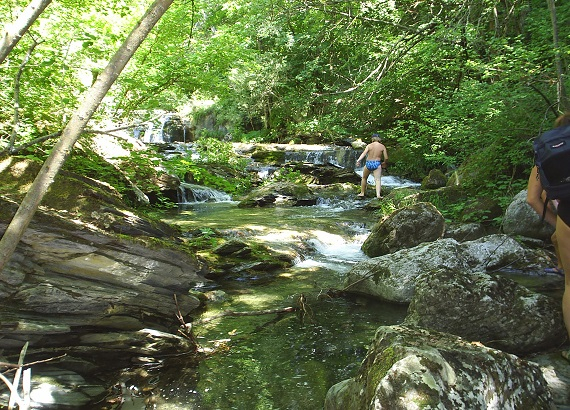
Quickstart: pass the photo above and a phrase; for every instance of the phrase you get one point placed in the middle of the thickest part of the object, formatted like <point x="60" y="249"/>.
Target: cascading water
<point x="339" y="157"/>
<point x="281" y="362"/>
<point x="189" y="193"/>
<point x="170" y="128"/>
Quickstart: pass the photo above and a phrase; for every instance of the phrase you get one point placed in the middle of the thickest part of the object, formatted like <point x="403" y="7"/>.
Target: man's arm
<point x="535" y="200"/>
<point x="361" y="157"/>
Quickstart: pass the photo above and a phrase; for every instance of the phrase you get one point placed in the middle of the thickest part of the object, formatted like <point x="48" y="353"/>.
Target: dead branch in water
<point x="185" y="329"/>
<point x="12" y="366"/>
<point x="305" y="310"/>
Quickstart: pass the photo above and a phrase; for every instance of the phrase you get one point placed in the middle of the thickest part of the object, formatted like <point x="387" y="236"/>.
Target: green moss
<point x="269" y="156"/>
<point x="377" y="370"/>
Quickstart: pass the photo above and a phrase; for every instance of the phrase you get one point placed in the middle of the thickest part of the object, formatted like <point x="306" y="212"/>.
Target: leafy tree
<point x="73" y="130"/>
<point x="14" y="32"/>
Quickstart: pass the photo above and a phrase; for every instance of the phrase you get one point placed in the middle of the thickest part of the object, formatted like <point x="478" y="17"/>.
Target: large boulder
<point x="67" y="285"/>
<point x="521" y="219"/>
<point x="405" y="228"/>
<point x="435" y="179"/>
<point x="279" y="193"/>
<point x="325" y="174"/>
<point x="393" y="277"/>
<point x="488" y="308"/>
<point x="410" y="368"/>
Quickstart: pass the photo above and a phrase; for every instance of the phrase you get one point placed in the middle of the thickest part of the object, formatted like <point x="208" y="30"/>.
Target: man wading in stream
<point x="375" y="153"/>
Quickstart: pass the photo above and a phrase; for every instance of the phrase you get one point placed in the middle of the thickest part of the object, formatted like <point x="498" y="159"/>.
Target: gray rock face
<point x="63" y="287"/>
<point x="409" y="368"/>
<point x="491" y="309"/>
<point x="393" y="277"/>
<point x="405" y="228"/>
<point x="464" y="232"/>
<point x="521" y="219"/>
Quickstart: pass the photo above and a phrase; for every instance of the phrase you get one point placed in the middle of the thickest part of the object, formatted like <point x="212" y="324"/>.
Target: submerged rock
<point x="279" y="193"/>
<point x="57" y="388"/>
<point x="409" y="368"/>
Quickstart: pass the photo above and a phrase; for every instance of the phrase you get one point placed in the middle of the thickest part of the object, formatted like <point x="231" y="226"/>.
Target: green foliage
<point x="204" y="239"/>
<point x="212" y="153"/>
<point x="445" y="81"/>
<point x="398" y="198"/>
<point x="287" y="175"/>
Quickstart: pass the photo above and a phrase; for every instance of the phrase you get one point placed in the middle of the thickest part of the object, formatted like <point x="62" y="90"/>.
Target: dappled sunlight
<point x="296" y="345"/>
<point x="44" y="392"/>
<point x="17" y="169"/>
<point x="280" y="236"/>
<point x="257" y="301"/>
<point x="5" y="164"/>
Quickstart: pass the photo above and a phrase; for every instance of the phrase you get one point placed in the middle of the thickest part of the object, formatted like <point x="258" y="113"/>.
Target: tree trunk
<point x="16" y="127"/>
<point x="563" y="100"/>
<point x="15" y="31"/>
<point x="73" y="129"/>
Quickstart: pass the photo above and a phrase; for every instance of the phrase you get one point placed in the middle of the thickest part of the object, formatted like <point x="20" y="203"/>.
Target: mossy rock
<point x="235" y="257"/>
<point x="435" y="179"/>
<point x="266" y="156"/>
<point x="77" y="197"/>
<point x="70" y="192"/>
<point x="481" y="209"/>
<point x="284" y="193"/>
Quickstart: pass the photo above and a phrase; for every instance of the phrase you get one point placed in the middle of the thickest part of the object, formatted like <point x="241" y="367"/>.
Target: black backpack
<point x="552" y="157"/>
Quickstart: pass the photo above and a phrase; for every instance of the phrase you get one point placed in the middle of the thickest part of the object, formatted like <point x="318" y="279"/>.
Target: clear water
<point x="273" y="361"/>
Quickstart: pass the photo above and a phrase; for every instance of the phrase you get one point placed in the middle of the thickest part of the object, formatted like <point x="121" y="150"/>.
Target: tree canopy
<point x="443" y="80"/>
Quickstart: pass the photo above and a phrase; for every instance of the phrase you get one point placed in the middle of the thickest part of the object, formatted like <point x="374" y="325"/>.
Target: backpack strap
<point x="544" y="208"/>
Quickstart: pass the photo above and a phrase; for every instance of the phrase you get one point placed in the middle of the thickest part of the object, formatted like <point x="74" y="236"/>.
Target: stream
<point x="285" y="361"/>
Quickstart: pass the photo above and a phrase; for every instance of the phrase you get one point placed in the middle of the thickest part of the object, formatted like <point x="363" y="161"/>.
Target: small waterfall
<point x="391" y="181"/>
<point x="170" y="128"/>
<point x="265" y="172"/>
<point x="148" y="134"/>
<point x="339" y="157"/>
<point x="190" y="193"/>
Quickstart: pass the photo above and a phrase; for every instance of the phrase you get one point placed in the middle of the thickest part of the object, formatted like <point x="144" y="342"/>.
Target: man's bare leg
<point x="365" y="173"/>
<point x="378" y="181"/>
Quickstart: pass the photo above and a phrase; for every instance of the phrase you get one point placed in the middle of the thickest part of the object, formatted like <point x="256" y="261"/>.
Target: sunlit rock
<point x="521" y="219"/>
<point x="393" y="277"/>
<point x="409" y="368"/>
<point x="405" y="228"/>
<point x="488" y="308"/>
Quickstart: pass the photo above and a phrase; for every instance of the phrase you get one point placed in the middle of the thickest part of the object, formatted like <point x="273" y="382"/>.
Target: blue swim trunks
<point x="372" y="165"/>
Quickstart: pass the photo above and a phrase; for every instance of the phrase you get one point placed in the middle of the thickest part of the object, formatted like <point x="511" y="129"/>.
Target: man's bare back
<point x="375" y="151"/>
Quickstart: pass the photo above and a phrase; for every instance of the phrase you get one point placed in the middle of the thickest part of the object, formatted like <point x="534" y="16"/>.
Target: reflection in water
<point x="280" y="361"/>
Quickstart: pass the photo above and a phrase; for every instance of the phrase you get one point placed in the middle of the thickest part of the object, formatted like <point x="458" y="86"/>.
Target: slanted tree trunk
<point x="73" y="129"/>
<point x="16" y="126"/>
<point x="15" y="31"/>
<point x="563" y="100"/>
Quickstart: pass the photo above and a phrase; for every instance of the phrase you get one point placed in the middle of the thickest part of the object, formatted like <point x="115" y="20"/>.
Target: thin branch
<point x="16" y="366"/>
